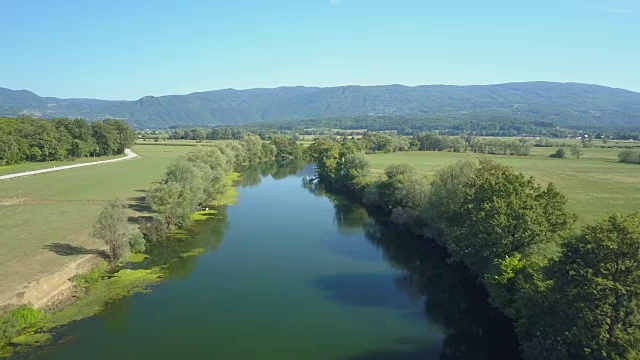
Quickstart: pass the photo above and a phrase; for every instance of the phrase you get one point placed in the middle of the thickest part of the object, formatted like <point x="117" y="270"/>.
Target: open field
<point x="596" y="185"/>
<point x="31" y="166"/>
<point x="180" y="142"/>
<point x="596" y="143"/>
<point x="46" y="219"/>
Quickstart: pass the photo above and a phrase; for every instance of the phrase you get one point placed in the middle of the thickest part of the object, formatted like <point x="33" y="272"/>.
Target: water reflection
<point x="252" y="174"/>
<point x="369" y="290"/>
<point x="178" y="254"/>
<point x="116" y="316"/>
<point x="452" y="297"/>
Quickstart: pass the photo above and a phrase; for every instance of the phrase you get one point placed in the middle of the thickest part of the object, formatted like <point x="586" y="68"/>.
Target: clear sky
<point x="117" y="49"/>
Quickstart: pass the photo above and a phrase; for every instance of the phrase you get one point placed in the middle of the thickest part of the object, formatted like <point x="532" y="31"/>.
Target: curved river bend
<point x="294" y="273"/>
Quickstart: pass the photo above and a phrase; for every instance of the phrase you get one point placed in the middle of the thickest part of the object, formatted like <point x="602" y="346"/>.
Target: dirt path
<point x="129" y="155"/>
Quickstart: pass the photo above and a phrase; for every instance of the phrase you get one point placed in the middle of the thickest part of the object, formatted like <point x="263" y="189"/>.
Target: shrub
<point x="93" y="276"/>
<point x="560" y="154"/>
<point x="137" y="244"/>
<point x="153" y="229"/>
<point x="629" y="156"/>
<point x="12" y="322"/>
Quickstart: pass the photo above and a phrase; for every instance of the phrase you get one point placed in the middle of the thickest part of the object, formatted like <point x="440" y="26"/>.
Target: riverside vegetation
<point x="571" y="293"/>
<point x="181" y="192"/>
<point x="192" y="183"/>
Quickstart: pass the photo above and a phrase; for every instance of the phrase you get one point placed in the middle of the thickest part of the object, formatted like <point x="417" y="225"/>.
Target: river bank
<point x="49" y="228"/>
<point x="84" y="287"/>
<point x="287" y="274"/>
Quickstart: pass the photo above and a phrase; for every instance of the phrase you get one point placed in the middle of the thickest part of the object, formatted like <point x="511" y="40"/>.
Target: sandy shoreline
<point x="50" y="290"/>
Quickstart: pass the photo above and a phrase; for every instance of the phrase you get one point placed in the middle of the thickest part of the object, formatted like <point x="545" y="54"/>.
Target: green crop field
<point x="595" y="185"/>
<point x="60" y="207"/>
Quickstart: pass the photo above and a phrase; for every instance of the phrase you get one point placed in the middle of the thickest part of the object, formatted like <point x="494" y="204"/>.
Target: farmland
<point x="47" y="218"/>
<point x="595" y="185"/>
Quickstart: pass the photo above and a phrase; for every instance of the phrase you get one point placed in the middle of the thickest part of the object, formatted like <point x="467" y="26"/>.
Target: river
<point x="291" y="272"/>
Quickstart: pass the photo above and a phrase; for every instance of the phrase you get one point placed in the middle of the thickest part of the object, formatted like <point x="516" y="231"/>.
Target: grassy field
<point x="31" y="166"/>
<point x="181" y="142"/>
<point x="46" y="219"/>
<point x="596" y="185"/>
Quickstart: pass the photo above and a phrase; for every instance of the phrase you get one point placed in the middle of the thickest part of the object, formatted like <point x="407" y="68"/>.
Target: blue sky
<point x="117" y="49"/>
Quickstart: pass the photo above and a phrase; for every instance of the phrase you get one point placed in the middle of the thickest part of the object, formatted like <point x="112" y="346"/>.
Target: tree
<point x="403" y="192"/>
<point x="445" y="198"/>
<point x="577" y="151"/>
<point x="326" y="154"/>
<point x="153" y="229"/>
<point x="124" y="135"/>
<point x="596" y="291"/>
<point x="286" y="147"/>
<point x="112" y="228"/>
<point x="106" y="138"/>
<point x="560" y="154"/>
<point x="502" y="226"/>
<point x="253" y="147"/>
<point x="11" y="150"/>
<point x="355" y="168"/>
<point x="137" y="244"/>
<point x="502" y="213"/>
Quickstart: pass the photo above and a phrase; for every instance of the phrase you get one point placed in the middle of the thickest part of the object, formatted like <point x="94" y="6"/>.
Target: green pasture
<point x="31" y="166"/>
<point x="46" y="219"/>
<point x="595" y="185"/>
<point x="180" y="142"/>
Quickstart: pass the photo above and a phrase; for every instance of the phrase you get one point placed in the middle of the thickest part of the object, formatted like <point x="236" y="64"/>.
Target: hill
<point x="563" y="104"/>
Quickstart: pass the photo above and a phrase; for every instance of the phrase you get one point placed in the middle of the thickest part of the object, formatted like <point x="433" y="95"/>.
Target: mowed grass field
<point x="60" y="208"/>
<point x="31" y="166"/>
<point x="180" y="142"/>
<point x="596" y="185"/>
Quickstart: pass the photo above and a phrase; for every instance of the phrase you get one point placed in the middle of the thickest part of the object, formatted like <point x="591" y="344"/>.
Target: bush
<point x="137" y="244"/>
<point x="560" y="154"/>
<point x="153" y="229"/>
<point x="93" y="276"/>
<point x="14" y="321"/>
<point x="629" y="156"/>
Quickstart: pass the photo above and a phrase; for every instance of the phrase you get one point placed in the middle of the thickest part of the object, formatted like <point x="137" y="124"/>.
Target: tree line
<point x="571" y="293"/>
<point x="489" y="124"/>
<point x="32" y="139"/>
<point x="192" y="182"/>
<point x="379" y="142"/>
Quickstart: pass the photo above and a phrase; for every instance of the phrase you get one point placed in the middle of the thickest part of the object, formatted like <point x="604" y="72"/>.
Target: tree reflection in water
<point x="251" y="175"/>
<point x="453" y="298"/>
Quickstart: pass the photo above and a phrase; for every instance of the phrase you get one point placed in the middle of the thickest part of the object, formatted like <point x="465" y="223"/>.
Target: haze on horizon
<point x="116" y="50"/>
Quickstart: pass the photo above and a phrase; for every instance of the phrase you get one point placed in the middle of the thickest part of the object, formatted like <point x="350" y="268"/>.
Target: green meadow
<point x="595" y="185"/>
<point x="47" y="218"/>
<point x="31" y="166"/>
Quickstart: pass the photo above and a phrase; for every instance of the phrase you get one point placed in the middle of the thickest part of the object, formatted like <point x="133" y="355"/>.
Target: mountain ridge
<point x="566" y="104"/>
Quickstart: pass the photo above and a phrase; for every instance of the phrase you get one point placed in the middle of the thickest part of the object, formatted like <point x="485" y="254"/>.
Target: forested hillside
<point x="561" y="104"/>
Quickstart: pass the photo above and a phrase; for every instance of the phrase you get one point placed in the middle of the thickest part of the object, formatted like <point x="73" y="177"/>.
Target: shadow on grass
<point x="139" y="204"/>
<point x="68" y="250"/>
<point x="138" y="219"/>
